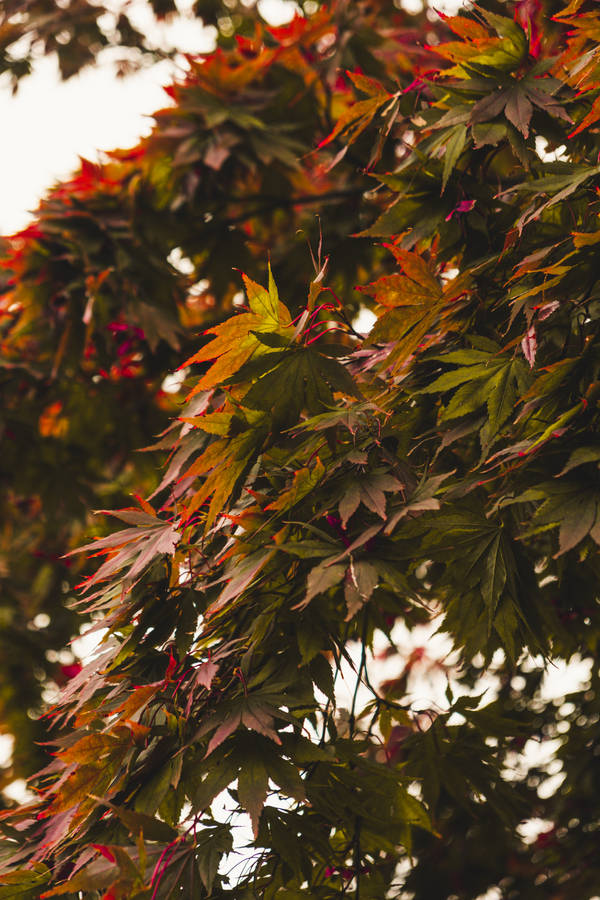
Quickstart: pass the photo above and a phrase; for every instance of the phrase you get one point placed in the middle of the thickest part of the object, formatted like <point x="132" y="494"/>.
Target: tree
<point x="94" y="309"/>
<point x="321" y="485"/>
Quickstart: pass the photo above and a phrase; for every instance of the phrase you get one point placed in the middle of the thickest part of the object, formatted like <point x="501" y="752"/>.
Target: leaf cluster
<point x="325" y="488"/>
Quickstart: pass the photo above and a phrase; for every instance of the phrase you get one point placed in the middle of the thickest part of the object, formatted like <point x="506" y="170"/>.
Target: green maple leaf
<point x="305" y="481"/>
<point x="302" y="378"/>
<point x="24" y="884"/>
<point x="481" y="557"/>
<point x="571" y="506"/>
<point x="368" y="489"/>
<point x="212" y="843"/>
<point x="253" y="785"/>
<point x="481" y="378"/>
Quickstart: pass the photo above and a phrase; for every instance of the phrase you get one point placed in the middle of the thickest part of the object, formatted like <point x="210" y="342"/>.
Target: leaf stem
<point x="362" y="667"/>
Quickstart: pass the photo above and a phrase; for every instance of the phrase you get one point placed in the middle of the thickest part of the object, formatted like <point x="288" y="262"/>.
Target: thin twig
<point x="362" y="667"/>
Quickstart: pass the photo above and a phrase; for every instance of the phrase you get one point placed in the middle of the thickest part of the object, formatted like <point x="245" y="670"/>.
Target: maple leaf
<point x="301" y="378"/>
<point x="505" y="51"/>
<point x="305" y="481"/>
<point x="529" y="345"/>
<point x="517" y="98"/>
<point x="24" y="883"/>
<point x="225" y="463"/>
<point x="580" y="457"/>
<point x="357" y="117"/>
<point x="483" y="561"/>
<point x="306" y="518"/>
<point x="321" y="578"/>
<point x="132" y="549"/>
<point x="414" y="302"/>
<point x="422" y="500"/>
<point x="254" y="712"/>
<point x="243" y="574"/>
<point x="361" y="580"/>
<point x="569" y="505"/>
<point x="589" y="119"/>
<point x="369" y="490"/>
<point x="481" y="378"/>
<point x="558" y="186"/>
<point x="237" y="339"/>
<point x="453" y="146"/>
<point x="253" y="785"/>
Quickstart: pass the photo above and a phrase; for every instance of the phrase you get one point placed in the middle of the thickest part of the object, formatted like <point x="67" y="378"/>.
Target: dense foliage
<point x="322" y="487"/>
<point x="95" y="313"/>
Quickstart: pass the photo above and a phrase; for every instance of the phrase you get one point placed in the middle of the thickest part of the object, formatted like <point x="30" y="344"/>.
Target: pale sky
<point x="49" y="124"/>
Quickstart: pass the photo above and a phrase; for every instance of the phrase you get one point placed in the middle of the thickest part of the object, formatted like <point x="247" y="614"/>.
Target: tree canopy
<point x="319" y="487"/>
